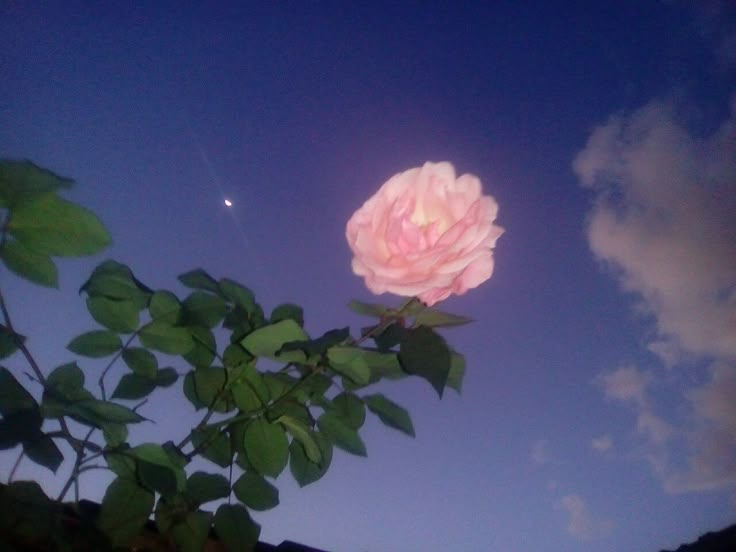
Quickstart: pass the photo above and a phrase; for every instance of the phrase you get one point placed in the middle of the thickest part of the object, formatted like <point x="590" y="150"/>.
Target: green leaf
<point x="424" y="353"/>
<point x="390" y="413"/>
<point x="304" y="435"/>
<point x="13" y="396"/>
<point x="235" y="528"/>
<point x="22" y="180"/>
<point x="199" y="279"/>
<point x="42" y="450"/>
<point x="250" y="391"/>
<point x="217" y="447"/>
<point x="165" y="307"/>
<point x="208" y="382"/>
<point x="438" y="319"/>
<point x="319" y="346"/>
<point x="457" y="372"/>
<point x="350" y="409"/>
<point x="302" y="468"/>
<point x="166" y="377"/>
<point x="237" y="294"/>
<point x="18" y="427"/>
<point x="341" y="435"/>
<point x="125" y="509"/>
<point x="51" y="225"/>
<point x="205" y="487"/>
<point x="25" y="511"/>
<point x="349" y="362"/>
<point x="102" y="412"/>
<point x="114" y="434"/>
<point x="288" y="311"/>
<point x="255" y="492"/>
<point x="118" y="316"/>
<point x="116" y="281"/>
<point x="141" y="361"/>
<point x="133" y="387"/>
<point x="95" y="344"/>
<point x="9" y="341"/>
<point x="368" y="309"/>
<point x="266" y="446"/>
<point x="26" y="263"/>
<point x="268" y="340"/>
<point x="190" y="535"/>
<point x="204" y="309"/>
<point x="164" y="337"/>
<point x="157" y="470"/>
<point x="203" y="352"/>
<point x="68" y="379"/>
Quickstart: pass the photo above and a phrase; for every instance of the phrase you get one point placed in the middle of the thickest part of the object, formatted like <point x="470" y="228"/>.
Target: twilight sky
<point x="598" y="412"/>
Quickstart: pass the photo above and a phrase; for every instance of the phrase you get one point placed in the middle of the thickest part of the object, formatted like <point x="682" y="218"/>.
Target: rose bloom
<point x="426" y="233"/>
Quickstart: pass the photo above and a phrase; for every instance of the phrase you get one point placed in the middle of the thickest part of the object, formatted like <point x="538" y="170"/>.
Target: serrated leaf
<point x="140" y="361"/>
<point x="208" y="383"/>
<point x="102" y="412"/>
<point x="349" y="362"/>
<point x="67" y="379"/>
<point x="164" y="337"/>
<point x="438" y="319"/>
<point x="96" y="344"/>
<point x="340" y="434"/>
<point x="249" y="390"/>
<point x="133" y="387"/>
<point x="302" y="468"/>
<point x="115" y="280"/>
<point x="255" y="492"/>
<point x="390" y="413"/>
<point x="350" y="409"/>
<point x="203" y="487"/>
<point x="26" y="263"/>
<point x="424" y="353"/>
<point x="116" y="315"/>
<point x="165" y="307"/>
<point x="268" y="340"/>
<point x="235" y="528"/>
<point x="199" y="279"/>
<point x="125" y="509"/>
<point x="204" y="309"/>
<point x="114" y="434"/>
<point x="51" y="225"/>
<point x="266" y="446"/>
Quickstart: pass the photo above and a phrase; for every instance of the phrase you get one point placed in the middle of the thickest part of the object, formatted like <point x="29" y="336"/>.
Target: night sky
<point x="598" y="410"/>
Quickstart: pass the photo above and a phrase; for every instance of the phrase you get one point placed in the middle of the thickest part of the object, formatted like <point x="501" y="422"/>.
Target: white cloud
<point x="540" y="454"/>
<point x="602" y="444"/>
<point x="581" y="523"/>
<point x="624" y="384"/>
<point x="665" y="219"/>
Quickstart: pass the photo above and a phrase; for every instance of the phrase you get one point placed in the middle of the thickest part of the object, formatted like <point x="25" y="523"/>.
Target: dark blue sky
<point x="298" y="112"/>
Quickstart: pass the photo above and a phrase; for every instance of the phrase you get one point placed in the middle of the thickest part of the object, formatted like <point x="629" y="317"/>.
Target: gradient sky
<point x="598" y="411"/>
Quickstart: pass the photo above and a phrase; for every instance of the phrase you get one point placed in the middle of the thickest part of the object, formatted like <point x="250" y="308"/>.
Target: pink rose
<point x="425" y="234"/>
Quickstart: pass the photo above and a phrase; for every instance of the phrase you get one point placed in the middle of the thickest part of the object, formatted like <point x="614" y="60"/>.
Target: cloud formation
<point x="581" y="523"/>
<point x="664" y="220"/>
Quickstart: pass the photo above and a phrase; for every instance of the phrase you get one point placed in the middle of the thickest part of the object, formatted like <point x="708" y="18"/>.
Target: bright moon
<point x="228" y="203"/>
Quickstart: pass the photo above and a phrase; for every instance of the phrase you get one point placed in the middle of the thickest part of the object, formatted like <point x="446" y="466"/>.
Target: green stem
<point x="101" y="381"/>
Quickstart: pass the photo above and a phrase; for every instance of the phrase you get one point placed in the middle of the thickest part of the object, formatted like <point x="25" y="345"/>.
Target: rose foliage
<point x="425" y="233"/>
